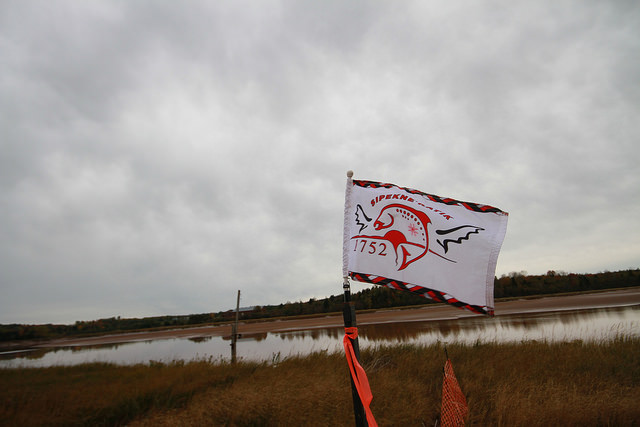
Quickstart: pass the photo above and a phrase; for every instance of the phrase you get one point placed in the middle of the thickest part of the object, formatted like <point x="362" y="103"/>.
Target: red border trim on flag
<point x="420" y="290"/>
<point x="475" y="207"/>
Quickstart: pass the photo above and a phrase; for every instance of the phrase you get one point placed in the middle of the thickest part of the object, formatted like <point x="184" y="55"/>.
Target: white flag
<point x="441" y="248"/>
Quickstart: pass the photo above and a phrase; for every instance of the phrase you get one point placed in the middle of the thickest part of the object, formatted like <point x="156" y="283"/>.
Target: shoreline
<point x="584" y="301"/>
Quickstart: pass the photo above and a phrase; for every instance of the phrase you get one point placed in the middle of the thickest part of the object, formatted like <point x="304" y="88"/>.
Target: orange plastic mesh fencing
<point x="454" y="405"/>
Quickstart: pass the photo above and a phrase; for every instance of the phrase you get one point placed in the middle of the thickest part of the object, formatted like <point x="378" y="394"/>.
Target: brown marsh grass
<point x="531" y="383"/>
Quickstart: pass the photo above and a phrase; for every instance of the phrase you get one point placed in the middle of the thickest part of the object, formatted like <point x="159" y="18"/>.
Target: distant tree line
<point x="554" y="282"/>
<point x="515" y="284"/>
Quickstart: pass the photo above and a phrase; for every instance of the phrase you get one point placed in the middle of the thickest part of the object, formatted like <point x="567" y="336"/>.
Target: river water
<point x="590" y="325"/>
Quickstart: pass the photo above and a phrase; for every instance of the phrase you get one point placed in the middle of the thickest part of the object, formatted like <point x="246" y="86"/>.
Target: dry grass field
<point x="567" y="384"/>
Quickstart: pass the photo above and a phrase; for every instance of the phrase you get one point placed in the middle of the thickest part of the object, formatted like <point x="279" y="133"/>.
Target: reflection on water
<point x="587" y="325"/>
<point x="199" y="339"/>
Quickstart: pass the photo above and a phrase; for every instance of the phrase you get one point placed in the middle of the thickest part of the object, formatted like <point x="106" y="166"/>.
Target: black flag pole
<point x="349" y="312"/>
<point x="349" y="316"/>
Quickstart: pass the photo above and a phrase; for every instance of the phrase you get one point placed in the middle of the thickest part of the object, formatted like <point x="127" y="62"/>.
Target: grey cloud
<point x="158" y="157"/>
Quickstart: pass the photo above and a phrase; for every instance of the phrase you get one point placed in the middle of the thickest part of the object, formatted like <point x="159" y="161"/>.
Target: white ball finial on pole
<point x="349" y="174"/>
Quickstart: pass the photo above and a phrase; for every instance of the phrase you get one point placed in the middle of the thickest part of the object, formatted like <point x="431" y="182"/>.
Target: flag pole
<point x="349" y="316"/>
<point x="348" y="310"/>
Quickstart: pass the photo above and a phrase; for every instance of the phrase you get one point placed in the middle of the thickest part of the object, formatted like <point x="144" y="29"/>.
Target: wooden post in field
<point x="234" y="330"/>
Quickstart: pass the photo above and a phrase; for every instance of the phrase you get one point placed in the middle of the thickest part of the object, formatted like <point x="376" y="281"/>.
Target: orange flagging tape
<point x="358" y="374"/>
<point x="454" y="405"/>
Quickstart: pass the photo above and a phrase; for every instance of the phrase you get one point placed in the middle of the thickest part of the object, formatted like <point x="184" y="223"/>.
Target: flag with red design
<point x="441" y="248"/>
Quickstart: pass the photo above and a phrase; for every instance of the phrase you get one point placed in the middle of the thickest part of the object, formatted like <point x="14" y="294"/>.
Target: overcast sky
<point x="155" y="157"/>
